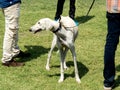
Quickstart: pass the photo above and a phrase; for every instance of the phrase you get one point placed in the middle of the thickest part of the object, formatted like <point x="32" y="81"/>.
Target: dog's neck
<point x="56" y="26"/>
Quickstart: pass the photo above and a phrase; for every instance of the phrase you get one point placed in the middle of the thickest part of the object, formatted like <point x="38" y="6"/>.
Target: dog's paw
<point x="47" y="68"/>
<point x="78" y="80"/>
<point x="60" y="80"/>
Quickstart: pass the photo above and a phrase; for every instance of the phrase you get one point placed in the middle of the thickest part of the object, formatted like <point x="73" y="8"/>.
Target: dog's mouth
<point x="36" y="31"/>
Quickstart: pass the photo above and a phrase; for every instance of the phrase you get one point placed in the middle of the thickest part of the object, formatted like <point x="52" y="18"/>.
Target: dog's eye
<point x="38" y="22"/>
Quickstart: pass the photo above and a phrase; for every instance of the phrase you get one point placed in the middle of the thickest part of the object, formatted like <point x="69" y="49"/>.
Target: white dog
<point x="65" y="32"/>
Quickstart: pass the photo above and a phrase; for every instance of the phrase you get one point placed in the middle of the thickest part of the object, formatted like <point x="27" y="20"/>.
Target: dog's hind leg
<point x="72" y="49"/>
<point x="50" y="52"/>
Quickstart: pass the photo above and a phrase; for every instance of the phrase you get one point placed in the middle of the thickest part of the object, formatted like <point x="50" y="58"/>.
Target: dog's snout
<point x="30" y="30"/>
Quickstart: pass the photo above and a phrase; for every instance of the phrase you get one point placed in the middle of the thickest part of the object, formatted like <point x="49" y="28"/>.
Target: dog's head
<point x="42" y="24"/>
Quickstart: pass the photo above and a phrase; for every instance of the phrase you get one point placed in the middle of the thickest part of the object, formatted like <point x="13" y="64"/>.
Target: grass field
<point x="89" y="48"/>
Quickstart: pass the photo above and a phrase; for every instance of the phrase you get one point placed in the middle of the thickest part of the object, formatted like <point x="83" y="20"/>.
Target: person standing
<point x="11" y="11"/>
<point x="112" y="40"/>
<point x="59" y="10"/>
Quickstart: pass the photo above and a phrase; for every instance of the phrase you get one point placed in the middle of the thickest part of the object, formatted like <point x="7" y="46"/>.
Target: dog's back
<point x="67" y="21"/>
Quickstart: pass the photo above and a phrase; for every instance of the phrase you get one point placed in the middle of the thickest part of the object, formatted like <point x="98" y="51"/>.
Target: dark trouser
<point x="112" y="40"/>
<point x="60" y="5"/>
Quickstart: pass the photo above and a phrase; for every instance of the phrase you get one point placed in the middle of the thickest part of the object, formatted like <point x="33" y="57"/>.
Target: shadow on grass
<point x="35" y="51"/>
<point x="83" y="19"/>
<point x="81" y="68"/>
<point x="117" y="81"/>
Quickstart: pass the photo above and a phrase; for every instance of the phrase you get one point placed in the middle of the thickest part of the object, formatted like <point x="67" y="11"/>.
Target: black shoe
<point x="110" y="87"/>
<point x="13" y="63"/>
<point x="22" y="54"/>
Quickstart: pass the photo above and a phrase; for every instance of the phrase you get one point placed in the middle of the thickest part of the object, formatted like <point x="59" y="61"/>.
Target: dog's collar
<point x="57" y="29"/>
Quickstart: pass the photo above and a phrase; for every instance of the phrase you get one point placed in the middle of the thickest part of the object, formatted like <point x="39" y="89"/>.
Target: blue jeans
<point x="112" y="40"/>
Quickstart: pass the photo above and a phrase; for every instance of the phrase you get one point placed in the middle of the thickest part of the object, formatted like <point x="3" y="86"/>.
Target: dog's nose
<point x="30" y="30"/>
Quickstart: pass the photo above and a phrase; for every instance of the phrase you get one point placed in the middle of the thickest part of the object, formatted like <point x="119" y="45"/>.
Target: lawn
<point x="89" y="48"/>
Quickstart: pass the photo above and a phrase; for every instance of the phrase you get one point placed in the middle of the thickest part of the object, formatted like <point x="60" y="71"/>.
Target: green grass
<point x="89" y="48"/>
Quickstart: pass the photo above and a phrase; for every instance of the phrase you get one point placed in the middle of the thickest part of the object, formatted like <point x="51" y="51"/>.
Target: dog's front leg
<point x="50" y="52"/>
<point x="72" y="49"/>
<point x="61" y="66"/>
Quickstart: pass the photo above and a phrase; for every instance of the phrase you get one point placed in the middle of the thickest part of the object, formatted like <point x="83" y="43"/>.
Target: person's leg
<point x="72" y="9"/>
<point x="112" y="40"/>
<point x="60" y="5"/>
<point x="10" y="47"/>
